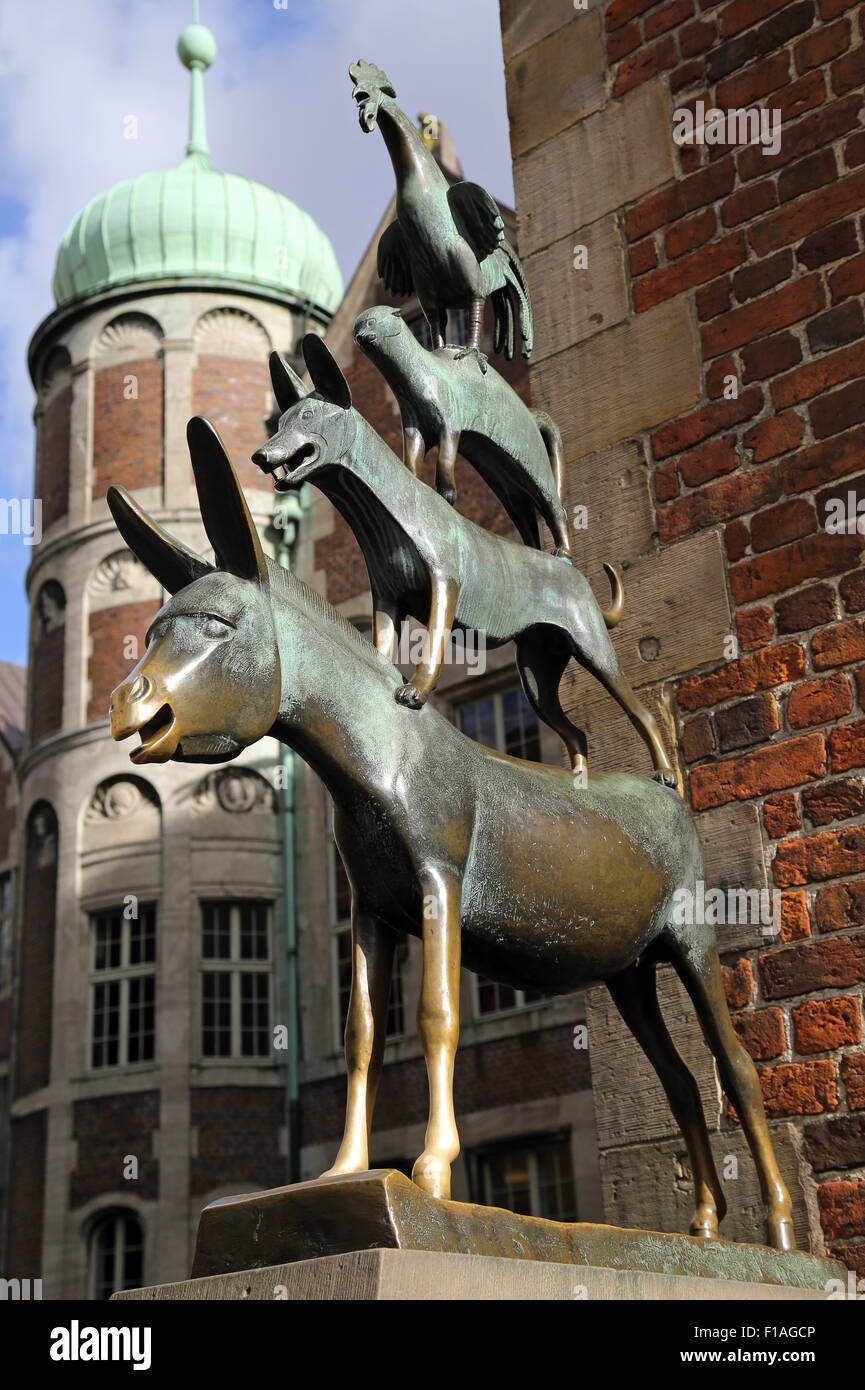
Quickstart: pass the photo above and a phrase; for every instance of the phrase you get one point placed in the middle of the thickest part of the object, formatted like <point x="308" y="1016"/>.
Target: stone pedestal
<point x="376" y="1235"/>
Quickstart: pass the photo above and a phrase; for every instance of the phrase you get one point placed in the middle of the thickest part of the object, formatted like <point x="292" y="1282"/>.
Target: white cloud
<point x="279" y="109"/>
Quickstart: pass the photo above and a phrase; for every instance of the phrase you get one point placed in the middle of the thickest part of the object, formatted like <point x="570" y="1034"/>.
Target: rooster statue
<point x="447" y="243"/>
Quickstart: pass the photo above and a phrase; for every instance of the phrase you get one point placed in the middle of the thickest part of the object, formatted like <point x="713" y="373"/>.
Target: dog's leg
<point x="414" y="449"/>
<point x="449" y="443"/>
<point x="438" y="1024"/>
<point x="384" y="622"/>
<point x="416" y="692"/>
<point x="541" y="665"/>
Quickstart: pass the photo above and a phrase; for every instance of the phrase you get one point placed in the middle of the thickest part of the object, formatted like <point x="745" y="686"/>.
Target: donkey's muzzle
<point x="138" y="708"/>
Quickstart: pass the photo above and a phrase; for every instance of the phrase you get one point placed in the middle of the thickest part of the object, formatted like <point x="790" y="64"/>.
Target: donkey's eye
<point x="215" y="627"/>
<point x="307" y="415"/>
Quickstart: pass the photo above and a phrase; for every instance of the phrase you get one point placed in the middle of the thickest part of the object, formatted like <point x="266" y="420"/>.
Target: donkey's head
<point x="315" y="427"/>
<point x="208" y="684"/>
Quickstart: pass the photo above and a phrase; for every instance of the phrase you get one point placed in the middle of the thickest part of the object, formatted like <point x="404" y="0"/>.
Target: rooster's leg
<point x="473" y="347"/>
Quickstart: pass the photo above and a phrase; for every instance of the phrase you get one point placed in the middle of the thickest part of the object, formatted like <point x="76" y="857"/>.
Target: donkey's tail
<point x="613" y="614"/>
<point x="552" y="437"/>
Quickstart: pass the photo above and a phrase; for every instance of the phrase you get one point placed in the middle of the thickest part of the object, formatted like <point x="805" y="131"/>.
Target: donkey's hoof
<point x="705" y="1223"/>
<point x="449" y="494"/>
<point x="432" y="1175"/>
<point x="410" y="696"/>
<point x="780" y="1232"/>
<point x="666" y="776"/>
<point x="562" y="554"/>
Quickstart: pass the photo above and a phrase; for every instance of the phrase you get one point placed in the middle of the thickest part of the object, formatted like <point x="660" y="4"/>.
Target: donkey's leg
<point x="700" y="973"/>
<point x="635" y="996"/>
<point x="541" y="664"/>
<point x="443" y="602"/>
<point x="598" y="656"/>
<point x="449" y="443"/>
<point x="372" y="947"/>
<point x="384" y="621"/>
<point x="438" y="1022"/>
<point x="414" y="448"/>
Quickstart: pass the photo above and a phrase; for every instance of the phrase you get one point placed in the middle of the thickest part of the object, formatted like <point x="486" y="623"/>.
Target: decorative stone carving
<point x="231" y="333"/>
<point x="130" y="336"/>
<point x="120" y="574"/>
<point x="51" y="606"/>
<point x="41" y="836"/>
<point x="118" y="799"/>
<point x="235" y="789"/>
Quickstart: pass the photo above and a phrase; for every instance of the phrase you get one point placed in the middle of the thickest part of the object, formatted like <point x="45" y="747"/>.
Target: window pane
<point x="142" y="992"/>
<point x="522" y="736"/>
<point x="254" y="1015"/>
<point x="492" y="996"/>
<point x="106" y="1024"/>
<point x="107" y="941"/>
<point x="478" y="720"/>
<point x="254" y="943"/>
<point x="216" y="931"/>
<point x="142" y="937"/>
<point x="508" y="1182"/>
<point x="216" y="1014"/>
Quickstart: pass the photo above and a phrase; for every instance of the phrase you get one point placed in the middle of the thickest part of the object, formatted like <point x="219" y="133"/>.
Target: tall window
<point x="341" y="915"/>
<point x="236" y="979"/>
<point x="5" y="931"/>
<point x="532" y="1178"/>
<point x="123" y="987"/>
<point x="493" y="998"/>
<point x="116" y="1254"/>
<point x="457" y="329"/>
<point x="504" y="720"/>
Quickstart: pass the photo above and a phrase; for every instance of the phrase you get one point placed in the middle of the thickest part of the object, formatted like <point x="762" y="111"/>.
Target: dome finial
<point x="196" y="49"/>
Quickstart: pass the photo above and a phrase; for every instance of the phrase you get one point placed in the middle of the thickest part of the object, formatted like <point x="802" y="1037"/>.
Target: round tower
<point x="145" y="1078"/>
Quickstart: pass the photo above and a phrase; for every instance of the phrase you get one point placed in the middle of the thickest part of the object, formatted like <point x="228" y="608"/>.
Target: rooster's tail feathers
<point x="519" y="304"/>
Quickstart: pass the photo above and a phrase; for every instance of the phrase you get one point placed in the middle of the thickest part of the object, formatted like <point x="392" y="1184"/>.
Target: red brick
<point x="707" y="461"/>
<point x="691" y="429"/>
<point x="833" y="963"/>
<point x="813" y="132"/>
<point x="853" y="1076"/>
<point x="741" y="14"/>
<point x="781" y="524"/>
<point x="688" y="194"/>
<point x="127" y="433"/>
<point x="836" y="412"/>
<point x="795" y="921"/>
<point x="760" y="276"/>
<point x="769" y="769"/>
<point x="667" y="17"/>
<point x="839" y="645"/>
<point x="813" y="859"/>
<point x="840" y="906"/>
<point x="643" y="65"/>
<point x="814" y="171"/>
<point x="843" y="324"/>
<point x="848" y="278"/>
<point x="687" y="236"/>
<point x="52" y="454"/>
<point x="808" y="608"/>
<point x="622" y="42"/>
<point x="713" y="299"/>
<point x="111" y="658"/>
<point x="852" y="591"/>
<point x="823" y="462"/>
<point x="847" y="746"/>
<point x="816" y="702"/>
<point x="814" y="557"/>
<point x="822" y="1025"/>
<point x="688" y="271"/>
<point x="829" y="244"/>
<point x="769" y="356"/>
<point x="763" y="316"/>
<point x="815" y="210"/>
<point x="747" y="203"/>
<point x="773" y="667"/>
<point x="746" y="722"/>
<point x="623" y="11"/>
<point x="854" y="150"/>
<point x="860" y="686"/>
<point x="799" y="1088"/>
<point x="696" y="38"/>
<point x="754" y="628"/>
<point x="761" y="1033"/>
<point x="842" y="1209"/>
<point x="849" y="72"/>
<point x="853" y="1256"/>
<point x="834" y="801"/>
<point x="229" y="392"/>
<point x="748" y="87"/>
<point x="643" y="256"/>
<point x="697" y="739"/>
<point x="738" y="983"/>
<point x="803" y="95"/>
<point x="736" y="539"/>
<point x="822" y="46"/>
<point x="777" y="435"/>
<point x="781" y="816"/>
<point x="727" y="497"/>
<point x="688" y="75"/>
<point x="815" y="377"/>
<point x="718" y="376"/>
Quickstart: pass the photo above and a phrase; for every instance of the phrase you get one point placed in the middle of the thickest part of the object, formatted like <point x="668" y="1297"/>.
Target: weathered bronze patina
<point x="519" y="870"/>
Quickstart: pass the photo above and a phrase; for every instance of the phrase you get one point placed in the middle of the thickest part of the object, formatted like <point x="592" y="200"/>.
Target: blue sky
<point x="279" y="109"/>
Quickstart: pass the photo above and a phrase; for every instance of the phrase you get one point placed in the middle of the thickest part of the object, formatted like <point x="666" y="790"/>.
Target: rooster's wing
<point x="477" y="217"/>
<point x="394" y="266"/>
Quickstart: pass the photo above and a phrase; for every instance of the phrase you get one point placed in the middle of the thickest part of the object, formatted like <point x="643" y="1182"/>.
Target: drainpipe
<point x="288" y="514"/>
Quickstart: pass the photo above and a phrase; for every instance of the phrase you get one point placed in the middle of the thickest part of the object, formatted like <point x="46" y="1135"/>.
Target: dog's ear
<point x="326" y="376"/>
<point x="288" y="388"/>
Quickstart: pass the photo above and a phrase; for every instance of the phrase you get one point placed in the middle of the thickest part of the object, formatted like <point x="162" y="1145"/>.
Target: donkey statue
<point x="515" y="869"/>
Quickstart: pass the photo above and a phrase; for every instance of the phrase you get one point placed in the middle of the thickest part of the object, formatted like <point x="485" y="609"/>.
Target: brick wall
<point x="127" y="425"/>
<point x="758" y="261"/>
<point x="107" y="1130"/>
<point x="26" y="1196"/>
<point x="110" y="629"/>
<point x="36" y="980"/>
<point x="7" y="806"/>
<point x="233" y="394"/>
<point x="238" y="1137"/>
<point x="45" y="678"/>
<point x="52" y="457"/>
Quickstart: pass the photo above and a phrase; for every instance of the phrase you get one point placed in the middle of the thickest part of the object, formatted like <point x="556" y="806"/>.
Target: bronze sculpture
<point x="460" y="857"/>
<point x="448" y="242"/>
<point x="428" y="562"/>
<point x="517" y="451"/>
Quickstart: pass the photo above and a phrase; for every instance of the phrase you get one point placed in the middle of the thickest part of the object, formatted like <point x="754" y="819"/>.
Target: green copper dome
<point x="194" y="223"/>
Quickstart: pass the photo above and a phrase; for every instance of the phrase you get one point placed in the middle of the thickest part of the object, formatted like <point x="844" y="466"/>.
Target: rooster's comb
<point x="369" y="77"/>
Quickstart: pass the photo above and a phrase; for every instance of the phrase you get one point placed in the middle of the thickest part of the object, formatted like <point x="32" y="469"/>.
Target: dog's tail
<point x="613" y="614"/>
<point x="552" y="437"/>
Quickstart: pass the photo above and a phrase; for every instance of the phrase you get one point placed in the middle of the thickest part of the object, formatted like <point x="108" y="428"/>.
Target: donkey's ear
<point x="288" y="387"/>
<point x="168" y="560"/>
<point x="229" y="526"/>
<point x="326" y="376"/>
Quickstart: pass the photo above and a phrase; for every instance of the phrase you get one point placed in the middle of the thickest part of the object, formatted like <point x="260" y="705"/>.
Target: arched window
<point x="115" y="1254"/>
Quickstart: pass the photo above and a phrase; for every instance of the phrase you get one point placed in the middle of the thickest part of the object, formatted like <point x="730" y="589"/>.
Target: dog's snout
<point x="269" y="455"/>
